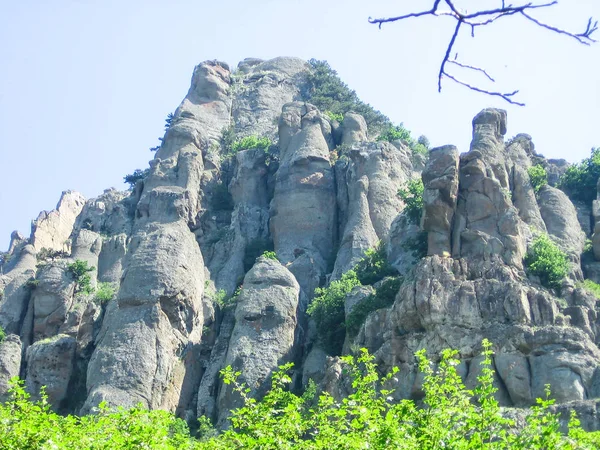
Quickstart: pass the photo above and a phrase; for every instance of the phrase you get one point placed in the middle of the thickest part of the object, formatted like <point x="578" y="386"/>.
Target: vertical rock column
<point x="487" y="225"/>
<point x="147" y="346"/>
<point x="440" y="179"/>
<point x="264" y="332"/>
<point x="303" y="210"/>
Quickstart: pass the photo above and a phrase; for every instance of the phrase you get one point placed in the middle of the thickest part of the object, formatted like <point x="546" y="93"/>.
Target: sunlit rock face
<point x="214" y="255"/>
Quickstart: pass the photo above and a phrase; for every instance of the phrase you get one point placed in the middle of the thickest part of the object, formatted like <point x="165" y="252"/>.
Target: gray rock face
<point x="262" y="88"/>
<point x="354" y="129"/>
<point x="560" y="217"/>
<point x="10" y="363"/>
<point x="51" y="230"/>
<point x="265" y="329"/>
<point x="440" y="180"/>
<point x="303" y="207"/>
<point x="368" y="180"/>
<point x="450" y="304"/>
<point x="50" y="364"/>
<point x="203" y="214"/>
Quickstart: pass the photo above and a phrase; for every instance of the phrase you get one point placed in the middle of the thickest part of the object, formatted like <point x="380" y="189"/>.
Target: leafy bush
<point x="374" y="265"/>
<point x="223" y="300"/>
<point x="547" y="261"/>
<point x="449" y="416"/>
<point x="591" y="287"/>
<point x="136" y="176"/>
<point x="80" y="272"/>
<point x="228" y="138"/>
<point x="32" y="283"/>
<point x="324" y="89"/>
<point x="396" y="133"/>
<point x="335" y="117"/>
<point x="424" y="141"/>
<point x="412" y="196"/>
<point x="2" y="334"/>
<point x="538" y="177"/>
<point x="327" y="309"/>
<point x="384" y="296"/>
<point x="251" y="142"/>
<point x="580" y="180"/>
<point x="270" y="255"/>
<point x="105" y="292"/>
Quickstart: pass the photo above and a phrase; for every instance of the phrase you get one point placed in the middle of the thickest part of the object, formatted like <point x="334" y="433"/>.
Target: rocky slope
<point x="193" y="229"/>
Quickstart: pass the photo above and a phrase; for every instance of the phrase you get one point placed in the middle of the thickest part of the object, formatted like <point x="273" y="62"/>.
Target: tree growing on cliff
<point x="474" y="20"/>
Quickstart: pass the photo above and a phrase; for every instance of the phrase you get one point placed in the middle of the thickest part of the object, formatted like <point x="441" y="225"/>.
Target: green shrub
<point x="424" y="141"/>
<point x="374" y="265"/>
<point x="2" y="334"/>
<point x="251" y="142"/>
<point x="79" y="270"/>
<point x="105" y="292"/>
<point x="396" y="133"/>
<point x="449" y="416"/>
<point x="270" y="255"/>
<point x="384" y="296"/>
<point x="324" y="89"/>
<point x="225" y="301"/>
<point x="538" y="177"/>
<point x="580" y="180"/>
<point x="136" y="176"/>
<point x="412" y="196"/>
<point x="327" y="309"/>
<point x="547" y="261"/>
<point x="335" y="117"/>
<point x="591" y="287"/>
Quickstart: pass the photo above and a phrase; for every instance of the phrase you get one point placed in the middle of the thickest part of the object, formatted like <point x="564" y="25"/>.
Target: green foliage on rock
<point x="327" y="309"/>
<point x="251" y="142"/>
<point x="79" y="270"/>
<point x="384" y="296"/>
<point x="334" y="117"/>
<point x="324" y="89"/>
<point x="2" y="334"/>
<point x="538" y="177"/>
<point x="417" y="245"/>
<point x="270" y="255"/>
<point x="545" y="260"/>
<point x="374" y="265"/>
<point x="449" y="416"/>
<point x="412" y="196"/>
<point x="137" y="175"/>
<point x="580" y="180"/>
<point x="591" y="287"/>
<point x="105" y="292"/>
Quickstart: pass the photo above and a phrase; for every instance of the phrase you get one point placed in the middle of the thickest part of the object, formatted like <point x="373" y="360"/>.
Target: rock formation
<point x="192" y="293"/>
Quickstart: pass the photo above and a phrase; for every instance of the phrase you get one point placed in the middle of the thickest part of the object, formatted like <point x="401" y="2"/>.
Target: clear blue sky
<point x="85" y="85"/>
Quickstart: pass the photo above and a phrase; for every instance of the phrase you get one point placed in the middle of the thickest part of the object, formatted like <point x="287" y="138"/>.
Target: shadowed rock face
<point x="191" y="233"/>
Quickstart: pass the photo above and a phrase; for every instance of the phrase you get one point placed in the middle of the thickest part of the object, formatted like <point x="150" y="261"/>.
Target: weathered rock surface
<point x="10" y="363"/>
<point x="265" y="329"/>
<point x="193" y="229"/>
<point x="51" y="230"/>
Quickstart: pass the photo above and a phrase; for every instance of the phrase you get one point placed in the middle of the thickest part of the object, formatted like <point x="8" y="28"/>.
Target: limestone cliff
<point x="191" y="233"/>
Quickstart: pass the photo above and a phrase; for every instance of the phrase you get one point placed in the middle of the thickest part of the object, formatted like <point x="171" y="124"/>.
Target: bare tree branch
<point x="483" y="18"/>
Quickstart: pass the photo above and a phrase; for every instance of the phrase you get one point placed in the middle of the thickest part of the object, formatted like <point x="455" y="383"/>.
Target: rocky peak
<point x="214" y="256"/>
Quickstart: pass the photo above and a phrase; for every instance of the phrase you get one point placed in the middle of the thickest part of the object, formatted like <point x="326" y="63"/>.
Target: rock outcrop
<point x="180" y="286"/>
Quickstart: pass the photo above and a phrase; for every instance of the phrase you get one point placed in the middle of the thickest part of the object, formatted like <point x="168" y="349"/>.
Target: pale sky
<point x="85" y="85"/>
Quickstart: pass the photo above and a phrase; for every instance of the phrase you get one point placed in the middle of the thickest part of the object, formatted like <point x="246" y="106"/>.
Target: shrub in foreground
<point x="449" y="417"/>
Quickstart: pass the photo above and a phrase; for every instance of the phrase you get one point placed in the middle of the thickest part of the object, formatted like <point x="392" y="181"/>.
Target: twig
<point x="487" y="17"/>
